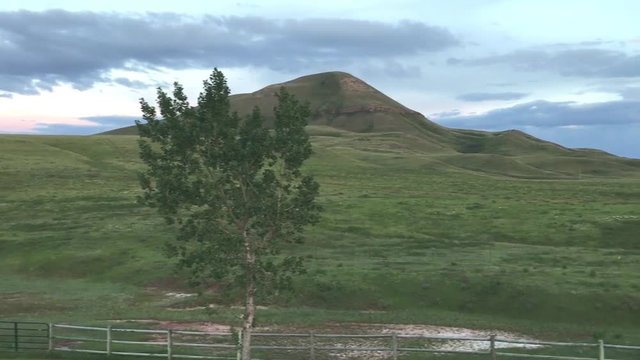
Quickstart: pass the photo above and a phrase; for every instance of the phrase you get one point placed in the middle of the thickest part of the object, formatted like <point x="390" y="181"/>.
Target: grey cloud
<point x="630" y="93"/>
<point x="395" y="71"/>
<point x="446" y="114"/>
<point x="625" y="88"/>
<point x="620" y="140"/>
<point x="64" y="129"/>
<point x="39" y="50"/>
<point x="135" y="84"/>
<point x="102" y="124"/>
<point x="481" y="96"/>
<point x="112" y="120"/>
<point x="568" y="45"/>
<point x="597" y="42"/>
<point x="570" y="62"/>
<point x="550" y="114"/>
<point x="626" y="92"/>
<point x="6" y="95"/>
<point x="391" y="69"/>
<point x="23" y="84"/>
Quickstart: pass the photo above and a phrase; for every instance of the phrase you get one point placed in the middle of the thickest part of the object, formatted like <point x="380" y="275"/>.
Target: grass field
<point x="406" y="237"/>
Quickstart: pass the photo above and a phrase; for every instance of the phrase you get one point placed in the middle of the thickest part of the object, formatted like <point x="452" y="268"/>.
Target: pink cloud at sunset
<point x="31" y="124"/>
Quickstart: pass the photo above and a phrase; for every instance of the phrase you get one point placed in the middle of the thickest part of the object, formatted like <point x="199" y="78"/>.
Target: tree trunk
<point x="249" y="314"/>
<point x="250" y="306"/>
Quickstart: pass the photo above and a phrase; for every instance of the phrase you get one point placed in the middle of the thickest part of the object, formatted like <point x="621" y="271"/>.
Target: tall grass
<point x="407" y="236"/>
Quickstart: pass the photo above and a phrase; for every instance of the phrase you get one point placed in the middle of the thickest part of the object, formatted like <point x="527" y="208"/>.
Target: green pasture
<point x="407" y="236"/>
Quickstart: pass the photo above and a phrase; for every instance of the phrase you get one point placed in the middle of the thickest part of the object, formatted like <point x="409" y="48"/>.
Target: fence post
<point x="394" y="346"/>
<point x="601" y="349"/>
<point x="108" y="340"/>
<point x="50" y="337"/>
<point x="492" y="348"/>
<point x="312" y="347"/>
<point x="239" y="346"/>
<point x="169" y="344"/>
<point x="15" y="335"/>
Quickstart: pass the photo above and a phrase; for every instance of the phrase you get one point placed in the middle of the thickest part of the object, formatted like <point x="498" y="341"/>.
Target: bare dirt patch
<point x="421" y="330"/>
<point x="353" y="84"/>
<point x="445" y="331"/>
<point x="179" y="295"/>
<point x="197" y="326"/>
<point x="347" y="343"/>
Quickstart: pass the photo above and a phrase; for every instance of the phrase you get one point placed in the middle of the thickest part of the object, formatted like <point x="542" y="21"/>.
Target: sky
<point x="566" y="71"/>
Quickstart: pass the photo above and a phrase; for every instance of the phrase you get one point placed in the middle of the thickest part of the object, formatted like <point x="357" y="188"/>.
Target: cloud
<point x="545" y="114"/>
<point x="6" y="95"/>
<point x="446" y="114"/>
<point x="87" y="125"/>
<point x="621" y="140"/>
<point x="568" y="62"/>
<point x="64" y="129"/>
<point x="390" y="69"/>
<point x="480" y="96"/>
<point x="625" y="91"/>
<point x="39" y="50"/>
<point x="623" y="88"/>
<point x="596" y="42"/>
<point x="29" y="124"/>
<point x="630" y="93"/>
<point x="112" y="120"/>
<point x="134" y="84"/>
<point x="611" y="126"/>
<point x="63" y="125"/>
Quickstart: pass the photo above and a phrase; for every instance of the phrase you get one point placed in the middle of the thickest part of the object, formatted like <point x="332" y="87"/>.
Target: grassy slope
<point x="339" y="100"/>
<point x="342" y="102"/>
<point x="405" y="234"/>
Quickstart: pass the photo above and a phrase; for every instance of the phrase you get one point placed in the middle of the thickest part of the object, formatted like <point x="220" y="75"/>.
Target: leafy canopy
<point x="230" y="185"/>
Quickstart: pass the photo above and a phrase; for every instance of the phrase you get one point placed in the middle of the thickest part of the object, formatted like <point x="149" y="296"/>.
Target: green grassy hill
<point x="338" y="100"/>
<point x="409" y="235"/>
<point x="423" y="224"/>
<point x="343" y="104"/>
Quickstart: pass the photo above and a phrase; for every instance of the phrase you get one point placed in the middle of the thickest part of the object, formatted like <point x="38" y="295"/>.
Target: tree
<point x="234" y="189"/>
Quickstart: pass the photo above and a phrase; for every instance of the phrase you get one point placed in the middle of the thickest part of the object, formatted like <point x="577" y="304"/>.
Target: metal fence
<point x="187" y="344"/>
<point x="23" y="335"/>
<point x="169" y="344"/>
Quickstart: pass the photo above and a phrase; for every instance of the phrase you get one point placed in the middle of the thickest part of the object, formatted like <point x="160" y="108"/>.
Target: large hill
<point x="343" y="105"/>
<point x="406" y="236"/>
<point x="422" y="224"/>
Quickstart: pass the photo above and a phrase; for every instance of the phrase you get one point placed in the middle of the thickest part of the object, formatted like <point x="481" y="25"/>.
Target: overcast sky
<point x="566" y="71"/>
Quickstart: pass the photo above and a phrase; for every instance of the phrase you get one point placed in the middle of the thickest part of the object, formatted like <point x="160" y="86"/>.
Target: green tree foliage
<point x="233" y="188"/>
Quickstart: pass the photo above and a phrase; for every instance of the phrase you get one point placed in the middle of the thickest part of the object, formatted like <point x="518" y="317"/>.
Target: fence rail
<point x="188" y="344"/>
<point x="23" y="335"/>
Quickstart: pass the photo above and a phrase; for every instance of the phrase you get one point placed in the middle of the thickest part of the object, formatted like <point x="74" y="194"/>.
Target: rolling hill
<point x="422" y="224"/>
<point x="406" y="236"/>
<point x="343" y="105"/>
